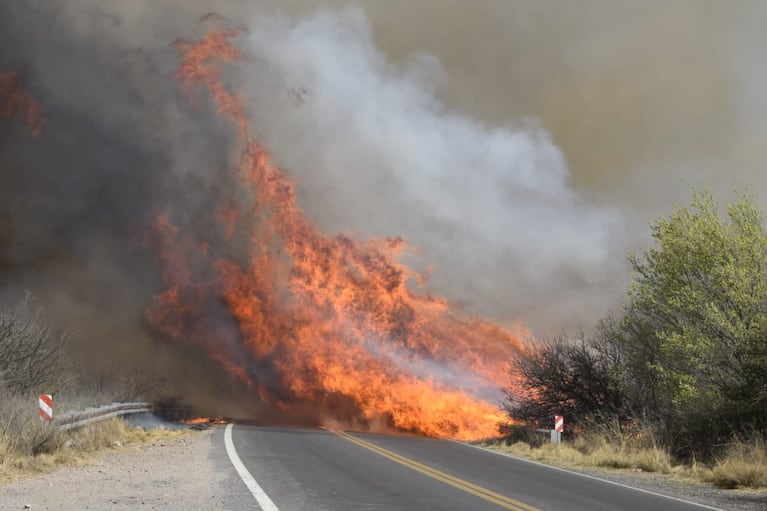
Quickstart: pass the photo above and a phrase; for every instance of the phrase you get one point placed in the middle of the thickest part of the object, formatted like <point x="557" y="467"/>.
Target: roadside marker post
<point x="559" y="426"/>
<point x="45" y="407"/>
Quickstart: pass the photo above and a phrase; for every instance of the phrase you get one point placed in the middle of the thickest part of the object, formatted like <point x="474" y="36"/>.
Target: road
<point x="313" y="470"/>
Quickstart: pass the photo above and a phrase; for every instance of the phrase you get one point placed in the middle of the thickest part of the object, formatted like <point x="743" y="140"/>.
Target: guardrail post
<point x="556" y="433"/>
<point x="45" y="408"/>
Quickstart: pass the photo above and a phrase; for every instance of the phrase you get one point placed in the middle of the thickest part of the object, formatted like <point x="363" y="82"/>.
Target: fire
<point x="15" y="102"/>
<point x="322" y="320"/>
<point x="204" y="420"/>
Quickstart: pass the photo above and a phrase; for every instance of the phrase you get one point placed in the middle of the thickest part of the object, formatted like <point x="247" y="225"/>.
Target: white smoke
<point x="376" y="153"/>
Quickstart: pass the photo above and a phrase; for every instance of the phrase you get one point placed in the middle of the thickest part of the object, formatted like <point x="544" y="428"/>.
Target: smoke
<point x="377" y="153"/>
<point x="118" y="148"/>
<point x="521" y="148"/>
<point x="642" y="99"/>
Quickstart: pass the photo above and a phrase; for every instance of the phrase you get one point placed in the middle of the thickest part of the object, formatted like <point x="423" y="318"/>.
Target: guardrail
<point x="71" y="420"/>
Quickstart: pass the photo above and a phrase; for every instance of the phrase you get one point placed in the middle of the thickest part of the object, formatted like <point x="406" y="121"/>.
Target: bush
<point x="744" y="465"/>
<point x="21" y="431"/>
<point x="564" y="377"/>
<point x="30" y="349"/>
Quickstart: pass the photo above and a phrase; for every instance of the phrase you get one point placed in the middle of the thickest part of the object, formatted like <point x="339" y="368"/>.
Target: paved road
<point x="314" y="470"/>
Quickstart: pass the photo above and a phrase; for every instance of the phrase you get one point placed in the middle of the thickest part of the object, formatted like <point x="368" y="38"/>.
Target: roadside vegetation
<point x="741" y="464"/>
<point x="52" y="449"/>
<point x="33" y="361"/>
<point x="676" y="380"/>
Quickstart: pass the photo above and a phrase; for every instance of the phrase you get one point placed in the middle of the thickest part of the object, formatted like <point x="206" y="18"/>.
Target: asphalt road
<point x="314" y="470"/>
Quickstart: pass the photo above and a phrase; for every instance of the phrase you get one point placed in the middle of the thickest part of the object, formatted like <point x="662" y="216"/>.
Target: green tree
<point x="695" y="327"/>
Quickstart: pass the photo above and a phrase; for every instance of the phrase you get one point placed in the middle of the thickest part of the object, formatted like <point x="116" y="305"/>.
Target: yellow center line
<point x="476" y="490"/>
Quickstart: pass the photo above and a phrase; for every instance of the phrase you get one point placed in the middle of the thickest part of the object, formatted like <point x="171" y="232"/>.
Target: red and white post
<point x="559" y="426"/>
<point x="45" y="406"/>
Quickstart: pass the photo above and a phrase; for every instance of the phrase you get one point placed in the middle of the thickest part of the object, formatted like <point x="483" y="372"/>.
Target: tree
<point x="569" y="377"/>
<point x="687" y="355"/>
<point x="695" y="325"/>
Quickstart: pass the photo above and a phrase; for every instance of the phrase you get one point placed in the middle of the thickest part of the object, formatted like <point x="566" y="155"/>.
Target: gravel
<point x="172" y="474"/>
<point x="730" y="500"/>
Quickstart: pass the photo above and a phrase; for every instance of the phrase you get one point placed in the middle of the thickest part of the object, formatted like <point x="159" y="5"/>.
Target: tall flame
<point x="325" y="320"/>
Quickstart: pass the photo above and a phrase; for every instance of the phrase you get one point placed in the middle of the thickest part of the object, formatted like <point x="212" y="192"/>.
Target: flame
<point x="204" y="420"/>
<point x="325" y="320"/>
<point x="15" y="102"/>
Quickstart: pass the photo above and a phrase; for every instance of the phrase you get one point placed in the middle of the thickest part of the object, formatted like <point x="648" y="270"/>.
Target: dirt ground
<point x="170" y="474"/>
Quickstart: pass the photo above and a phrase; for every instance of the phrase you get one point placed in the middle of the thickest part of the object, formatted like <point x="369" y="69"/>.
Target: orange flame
<point x="204" y="420"/>
<point x="15" y="102"/>
<point x="320" y="319"/>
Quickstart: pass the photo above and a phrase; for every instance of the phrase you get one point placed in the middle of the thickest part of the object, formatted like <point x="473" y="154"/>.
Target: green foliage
<point x="687" y="355"/>
<point x="695" y="325"/>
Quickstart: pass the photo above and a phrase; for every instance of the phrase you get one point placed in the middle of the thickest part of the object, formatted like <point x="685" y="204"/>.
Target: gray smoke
<point x="377" y="153"/>
<point x="641" y="100"/>
<point x="520" y="147"/>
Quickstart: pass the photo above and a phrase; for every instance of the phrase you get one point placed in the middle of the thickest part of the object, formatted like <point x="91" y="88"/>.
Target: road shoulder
<point x="693" y="491"/>
<point x="184" y="473"/>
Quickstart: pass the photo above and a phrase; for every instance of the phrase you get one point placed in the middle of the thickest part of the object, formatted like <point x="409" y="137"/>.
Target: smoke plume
<point x="520" y="148"/>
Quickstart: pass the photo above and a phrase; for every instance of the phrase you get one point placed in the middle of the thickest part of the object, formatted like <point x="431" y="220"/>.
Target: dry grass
<point x="743" y="466"/>
<point x="56" y="449"/>
<point x="648" y="459"/>
<point x="597" y="450"/>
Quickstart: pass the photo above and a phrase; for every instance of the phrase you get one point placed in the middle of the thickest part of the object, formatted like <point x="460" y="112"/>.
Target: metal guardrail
<point x="71" y="420"/>
<point x="511" y="428"/>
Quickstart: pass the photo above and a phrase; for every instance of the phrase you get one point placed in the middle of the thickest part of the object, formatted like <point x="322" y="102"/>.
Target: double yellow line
<point x="478" y="491"/>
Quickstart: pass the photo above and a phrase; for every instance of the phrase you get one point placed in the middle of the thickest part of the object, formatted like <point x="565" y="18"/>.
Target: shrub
<point x="744" y="465"/>
<point x="30" y="348"/>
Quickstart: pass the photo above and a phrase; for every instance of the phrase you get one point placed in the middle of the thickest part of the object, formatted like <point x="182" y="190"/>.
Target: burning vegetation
<point x="323" y="322"/>
<point x="323" y="329"/>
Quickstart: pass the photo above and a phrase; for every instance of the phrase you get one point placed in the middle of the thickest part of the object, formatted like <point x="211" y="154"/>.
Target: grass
<point x="603" y="454"/>
<point x="743" y="465"/>
<point x="43" y="449"/>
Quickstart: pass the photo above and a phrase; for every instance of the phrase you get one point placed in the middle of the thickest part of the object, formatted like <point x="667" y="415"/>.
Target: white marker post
<point x="559" y="426"/>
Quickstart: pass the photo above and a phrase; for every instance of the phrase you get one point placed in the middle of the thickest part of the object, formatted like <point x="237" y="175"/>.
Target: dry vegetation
<point x="32" y="361"/>
<point x="742" y="464"/>
<point x="56" y="448"/>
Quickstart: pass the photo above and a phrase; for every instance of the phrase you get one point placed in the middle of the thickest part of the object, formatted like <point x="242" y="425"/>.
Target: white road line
<point x="262" y="498"/>
<point x="587" y="476"/>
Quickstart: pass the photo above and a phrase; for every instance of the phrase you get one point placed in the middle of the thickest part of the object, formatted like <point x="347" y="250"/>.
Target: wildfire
<point x="325" y="320"/>
<point x="15" y="102"/>
<point x="204" y="420"/>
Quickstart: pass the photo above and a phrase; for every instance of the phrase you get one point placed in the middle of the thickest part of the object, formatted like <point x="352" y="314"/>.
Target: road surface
<point x="313" y="470"/>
